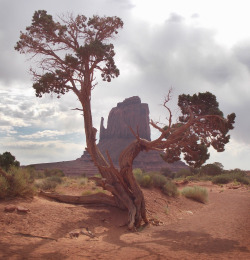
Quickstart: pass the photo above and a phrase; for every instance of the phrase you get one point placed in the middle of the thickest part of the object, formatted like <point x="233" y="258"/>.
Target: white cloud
<point x="192" y="47"/>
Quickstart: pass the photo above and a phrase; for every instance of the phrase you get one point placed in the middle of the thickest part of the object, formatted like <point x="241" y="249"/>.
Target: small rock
<point x="21" y="209"/>
<point x="74" y="234"/>
<point x="10" y="208"/>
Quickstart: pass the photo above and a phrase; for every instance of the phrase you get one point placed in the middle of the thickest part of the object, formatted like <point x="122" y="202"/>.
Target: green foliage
<point x="208" y="127"/>
<point x="83" y="41"/>
<point x="16" y="183"/>
<point x="221" y="179"/>
<point x="195" y="193"/>
<point x="146" y="181"/>
<point x="55" y="179"/>
<point x="53" y="172"/>
<point x="211" y="170"/>
<point x="167" y="172"/>
<point x="183" y="173"/>
<point x="193" y="178"/>
<point x="238" y="176"/>
<point x="170" y="189"/>
<point x="83" y="181"/>
<point x="4" y="187"/>
<point x="7" y="160"/>
<point x="46" y="184"/>
<point x="157" y="180"/>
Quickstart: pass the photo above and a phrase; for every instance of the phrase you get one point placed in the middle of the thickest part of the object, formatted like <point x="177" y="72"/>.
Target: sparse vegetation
<point x="16" y="182"/>
<point x="53" y="172"/>
<point x="195" y="193"/>
<point x="156" y="180"/>
<point x="7" y="160"/>
<point x="170" y="189"/>
<point x="231" y="176"/>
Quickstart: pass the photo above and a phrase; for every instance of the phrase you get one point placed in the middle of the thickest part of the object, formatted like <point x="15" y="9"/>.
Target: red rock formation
<point x="127" y="115"/>
<point x="130" y="113"/>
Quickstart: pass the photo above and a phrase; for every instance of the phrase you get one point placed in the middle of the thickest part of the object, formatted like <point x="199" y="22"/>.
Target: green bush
<point x="53" y="172"/>
<point x="222" y="179"/>
<point x="146" y="181"/>
<point x="211" y="170"/>
<point x="83" y="181"/>
<point x="170" y="189"/>
<point x="230" y="177"/>
<point x="55" y="179"/>
<point x="138" y="175"/>
<point x="195" y="193"/>
<point x="193" y="178"/>
<point x="17" y="182"/>
<point x="183" y="173"/>
<point x="167" y="173"/>
<point x="4" y="186"/>
<point x="35" y="174"/>
<point x="158" y="180"/>
<point x="46" y="184"/>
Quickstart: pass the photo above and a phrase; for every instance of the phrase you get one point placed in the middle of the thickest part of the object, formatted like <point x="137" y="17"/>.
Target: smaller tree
<point x="7" y="160"/>
<point x="211" y="169"/>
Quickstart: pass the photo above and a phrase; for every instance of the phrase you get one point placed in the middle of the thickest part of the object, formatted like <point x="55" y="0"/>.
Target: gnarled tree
<point x="70" y="51"/>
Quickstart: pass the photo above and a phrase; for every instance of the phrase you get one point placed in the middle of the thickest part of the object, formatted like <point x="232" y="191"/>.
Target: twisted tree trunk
<point x="121" y="183"/>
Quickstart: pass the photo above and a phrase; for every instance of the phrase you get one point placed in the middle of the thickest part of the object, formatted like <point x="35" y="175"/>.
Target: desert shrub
<point x="146" y="181"/>
<point x="4" y="186"/>
<point x="195" y="193"/>
<point x="222" y="179"/>
<point x="46" y="184"/>
<point x="53" y="172"/>
<point x="211" y="170"/>
<point x="17" y="182"/>
<point x="206" y="178"/>
<point x="230" y="177"/>
<point x="138" y="175"/>
<point x="183" y="173"/>
<point x="7" y="160"/>
<point x="170" y="189"/>
<point x="83" y="181"/>
<point x="34" y="174"/>
<point x="87" y="192"/>
<point x="243" y="179"/>
<point x="193" y="178"/>
<point x="158" y="180"/>
<point x="167" y="173"/>
<point x="56" y="179"/>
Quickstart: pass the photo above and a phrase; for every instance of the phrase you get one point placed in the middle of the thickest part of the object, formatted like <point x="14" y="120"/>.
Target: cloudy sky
<point x="192" y="46"/>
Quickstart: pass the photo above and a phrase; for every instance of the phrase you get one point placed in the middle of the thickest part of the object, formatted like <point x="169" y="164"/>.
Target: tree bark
<point x="87" y="199"/>
<point x="121" y="184"/>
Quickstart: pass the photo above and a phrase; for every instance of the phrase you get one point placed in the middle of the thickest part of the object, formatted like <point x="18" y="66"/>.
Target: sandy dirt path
<point x="217" y="230"/>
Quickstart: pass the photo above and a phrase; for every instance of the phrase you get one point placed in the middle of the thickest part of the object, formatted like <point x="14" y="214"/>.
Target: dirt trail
<point x="217" y="230"/>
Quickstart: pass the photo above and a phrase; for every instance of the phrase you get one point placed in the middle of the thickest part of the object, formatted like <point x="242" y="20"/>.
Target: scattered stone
<point x="74" y="234"/>
<point x="21" y="209"/>
<point x="10" y="208"/>
<point x="155" y="222"/>
<point x="234" y="187"/>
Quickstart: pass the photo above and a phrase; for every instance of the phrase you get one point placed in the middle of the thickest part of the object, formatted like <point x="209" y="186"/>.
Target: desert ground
<point x="180" y="228"/>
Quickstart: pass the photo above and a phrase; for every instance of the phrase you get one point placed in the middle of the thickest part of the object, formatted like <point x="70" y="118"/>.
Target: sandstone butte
<point x="130" y="113"/>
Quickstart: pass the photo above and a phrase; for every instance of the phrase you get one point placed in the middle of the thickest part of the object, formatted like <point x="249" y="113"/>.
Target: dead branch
<point x="98" y="198"/>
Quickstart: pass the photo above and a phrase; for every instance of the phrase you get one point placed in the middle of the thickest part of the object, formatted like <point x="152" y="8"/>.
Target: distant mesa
<point x="129" y="115"/>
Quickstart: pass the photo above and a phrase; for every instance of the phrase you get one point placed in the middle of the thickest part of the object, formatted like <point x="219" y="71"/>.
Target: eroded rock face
<point x="130" y="113"/>
<point x="127" y="115"/>
<point x="115" y="138"/>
